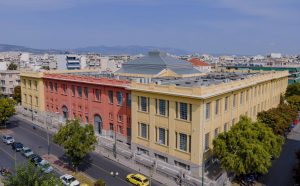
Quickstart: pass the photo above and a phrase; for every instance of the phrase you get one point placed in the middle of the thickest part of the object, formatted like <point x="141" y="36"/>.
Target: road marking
<point x="7" y="153"/>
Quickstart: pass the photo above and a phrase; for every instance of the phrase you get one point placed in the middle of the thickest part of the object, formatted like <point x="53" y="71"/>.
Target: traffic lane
<point x="36" y="138"/>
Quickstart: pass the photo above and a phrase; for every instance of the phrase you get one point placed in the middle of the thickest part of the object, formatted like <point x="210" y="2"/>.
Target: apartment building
<point x="9" y="79"/>
<point x="176" y="119"/>
<point x="101" y="101"/>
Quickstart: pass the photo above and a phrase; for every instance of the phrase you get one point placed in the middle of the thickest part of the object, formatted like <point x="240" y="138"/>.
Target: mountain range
<point x="106" y="50"/>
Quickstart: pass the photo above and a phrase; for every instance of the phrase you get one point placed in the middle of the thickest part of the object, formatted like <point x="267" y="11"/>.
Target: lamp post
<point x="31" y="108"/>
<point x="115" y="144"/>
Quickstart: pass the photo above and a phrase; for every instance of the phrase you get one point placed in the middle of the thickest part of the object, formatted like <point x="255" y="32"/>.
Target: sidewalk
<point x="66" y="169"/>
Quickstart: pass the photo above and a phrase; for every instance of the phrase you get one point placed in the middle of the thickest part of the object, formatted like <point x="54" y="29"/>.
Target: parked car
<point x="17" y="146"/>
<point x="7" y="139"/>
<point x="45" y="166"/>
<point x="36" y="159"/>
<point x="137" y="179"/>
<point x="27" y="152"/>
<point x="69" y="180"/>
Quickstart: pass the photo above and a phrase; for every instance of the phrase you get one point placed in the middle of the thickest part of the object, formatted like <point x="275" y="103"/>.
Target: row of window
<point x="183" y="110"/>
<point x="30" y="101"/>
<point x="77" y="90"/>
<point x="182" y="141"/>
<point x="35" y="83"/>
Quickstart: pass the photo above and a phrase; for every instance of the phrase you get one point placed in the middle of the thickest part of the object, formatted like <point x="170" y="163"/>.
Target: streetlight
<point x="115" y="144"/>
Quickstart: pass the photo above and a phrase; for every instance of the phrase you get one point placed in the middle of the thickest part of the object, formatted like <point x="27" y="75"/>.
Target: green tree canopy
<point x="294" y="101"/>
<point x="12" y="66"/>
<point x="29" y="175"/>
<point x="293" y="89"/>
<point x="17" y="94"/>
<point x="7" y="109"/>
<point x="100" y="182"/>
<point x="279" y="119"/>
<point x="77" y="140"/>
<point x="247" y="147"/>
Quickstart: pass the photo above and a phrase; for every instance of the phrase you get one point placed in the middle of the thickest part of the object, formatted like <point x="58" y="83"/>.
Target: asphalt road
<point x="281" y="172"/>
<point x="94" y="165"/>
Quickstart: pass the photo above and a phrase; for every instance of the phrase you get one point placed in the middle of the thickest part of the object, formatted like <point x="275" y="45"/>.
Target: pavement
<point x="94" y="165"/>
<point x="281" y="172"/>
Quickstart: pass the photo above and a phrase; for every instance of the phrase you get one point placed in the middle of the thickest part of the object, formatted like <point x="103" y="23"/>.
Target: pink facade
<point x="103" y="102"/>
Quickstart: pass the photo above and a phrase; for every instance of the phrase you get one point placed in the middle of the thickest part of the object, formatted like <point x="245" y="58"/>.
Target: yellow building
<point x="176" y="119"/>
<point x="32" y="87"/>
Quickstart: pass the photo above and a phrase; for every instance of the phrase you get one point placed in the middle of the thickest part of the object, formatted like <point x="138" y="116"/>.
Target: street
<point x="94" y="164"/>
<point x="281" y="172"/>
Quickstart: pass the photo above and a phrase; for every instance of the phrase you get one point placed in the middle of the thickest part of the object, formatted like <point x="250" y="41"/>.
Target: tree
<point x="247" y="148"/>
<point x="279" y="119"/>
<point x="12" y="66"/>
<point x="100" y="182"/>
<point x="294" y="101"/>
<point x="293" y="89"/>
<point x="77" y="140"/>
<point x="7" y="109"/>
<point x="17" y="94"/>
<point x="29" y="175"/>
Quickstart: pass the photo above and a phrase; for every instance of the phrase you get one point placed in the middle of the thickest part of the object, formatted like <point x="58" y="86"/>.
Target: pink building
<point x="103" y="102"/>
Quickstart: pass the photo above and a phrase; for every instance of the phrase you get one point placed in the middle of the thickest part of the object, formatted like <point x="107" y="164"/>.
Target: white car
<point x="45" y="166"/>
<point x="27" y="152"/>
<point x="8" y="139"/>
<point x="69" y="180"/>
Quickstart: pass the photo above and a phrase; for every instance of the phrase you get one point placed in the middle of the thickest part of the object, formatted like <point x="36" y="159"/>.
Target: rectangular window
<point x="29" y="83"/>
<point x="183" y="111"/>
<point x="120" y="130"/>
<point x="233" y="122"/>
<point x="143" y="130"/>
<point x="217" y="107"/>
<point x="79" y="91"/>
<point x="241" y="98"/>
<point x="226" y="103"/>
<point x="128" y="98"/>
<point x="182" y="165"/>
<point x="86" y="92"/>
<point x="225" y="127"/>
<point x="183" y="142"/>
<point x="216" y="132"/>
<point x="73" y="90"/>
<point x="247" y="95"/>
<point x="36" y="85"/>
<point x="111" y="96"/>
<point x="161" y="136"/>
<point x="120" y="98"/>
<point x="207" y="111"/>
<point x="64" y="88"/>
<point x="36" y="101"/>
<point x="86" y="119"/>
<point x="206" y="144"/>
<point x="51" y="86"/>
<point x="55" y="87"/>
<point x="160" y="157"/>
<point x="234" y="100"/>
<point x="162" y="107"/>
<point x="120" y="118"/>
<point x="97" y="95"/>
<point x="144" y="104"/>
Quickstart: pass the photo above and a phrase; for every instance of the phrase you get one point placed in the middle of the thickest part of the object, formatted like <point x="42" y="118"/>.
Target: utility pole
<point x="115" y="144"/>
<point x="48" y="140"/>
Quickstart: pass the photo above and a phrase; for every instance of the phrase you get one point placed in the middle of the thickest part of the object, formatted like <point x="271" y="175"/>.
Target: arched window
<point x="98" y="124"/>
<point x="65" y="112"/>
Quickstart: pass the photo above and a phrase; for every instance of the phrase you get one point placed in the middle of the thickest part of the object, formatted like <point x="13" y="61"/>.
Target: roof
<point x="155" y="62"/>
<point x="198" y="62"/>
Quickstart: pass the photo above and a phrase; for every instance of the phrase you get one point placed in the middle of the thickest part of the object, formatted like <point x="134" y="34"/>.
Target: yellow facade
<point x="185" y="138"/>
<point x="32" y="87"/>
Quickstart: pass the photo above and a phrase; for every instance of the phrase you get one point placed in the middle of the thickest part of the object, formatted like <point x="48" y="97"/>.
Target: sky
<point x="206" y="26"/>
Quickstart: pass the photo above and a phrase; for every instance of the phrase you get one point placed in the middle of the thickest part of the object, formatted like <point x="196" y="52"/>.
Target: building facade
<point x="103" y="102"/>
<point x="32" y="88"/>
<point x="9" y="79"/>
<point x="177" y="124"/>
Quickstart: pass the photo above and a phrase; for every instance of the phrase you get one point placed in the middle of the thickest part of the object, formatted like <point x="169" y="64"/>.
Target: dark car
<point x="36" y="159"/>
<point x="17" y="146"/>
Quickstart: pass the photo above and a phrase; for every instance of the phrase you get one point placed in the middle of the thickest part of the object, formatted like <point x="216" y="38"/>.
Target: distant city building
<point x="9" y="79"/>
<point x="200" y="65"/>
<point x="73" y="62"/>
